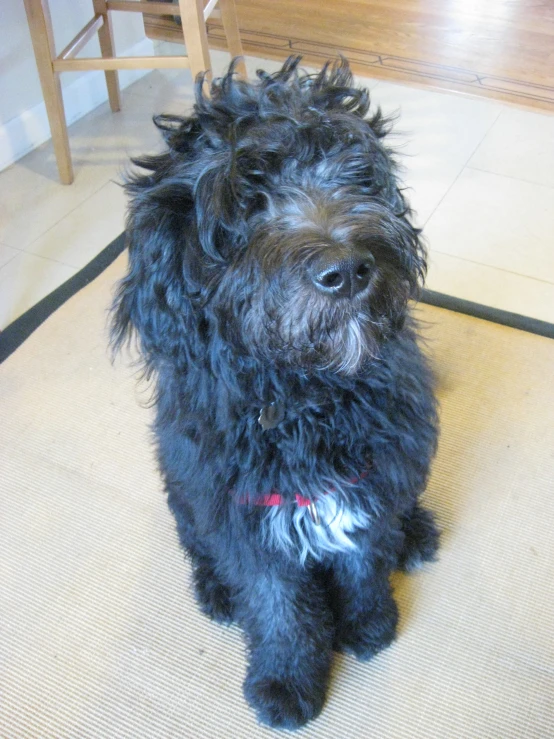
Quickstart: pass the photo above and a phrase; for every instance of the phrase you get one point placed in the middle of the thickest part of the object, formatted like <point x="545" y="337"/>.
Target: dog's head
<point x="272" y="226"/>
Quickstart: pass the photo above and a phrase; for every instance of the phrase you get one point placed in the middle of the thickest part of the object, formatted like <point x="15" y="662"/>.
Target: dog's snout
<point x="344" y="278"/>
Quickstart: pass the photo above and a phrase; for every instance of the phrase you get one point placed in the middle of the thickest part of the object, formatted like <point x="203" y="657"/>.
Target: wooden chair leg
<point x="196" y="39"/>
<point x="105" y="37"/>
<point x="231" y="28"/>
<point x="40" y="26"/>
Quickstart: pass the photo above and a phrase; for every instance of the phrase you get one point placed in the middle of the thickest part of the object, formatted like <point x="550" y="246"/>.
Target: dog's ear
<point x="153" y="301"/>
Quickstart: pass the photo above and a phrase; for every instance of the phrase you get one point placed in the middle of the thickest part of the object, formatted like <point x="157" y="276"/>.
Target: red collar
<point x="274" y="498"/>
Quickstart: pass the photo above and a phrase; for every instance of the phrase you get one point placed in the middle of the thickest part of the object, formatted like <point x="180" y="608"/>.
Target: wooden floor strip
<point x="391" y="66"/>
<point x="502" y="49"/>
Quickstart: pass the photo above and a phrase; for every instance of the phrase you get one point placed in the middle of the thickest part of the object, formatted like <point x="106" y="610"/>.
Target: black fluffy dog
<point x="272" y="259"/>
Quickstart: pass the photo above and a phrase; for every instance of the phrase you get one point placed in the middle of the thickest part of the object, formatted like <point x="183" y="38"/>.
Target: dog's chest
<point x="324" y="526"/>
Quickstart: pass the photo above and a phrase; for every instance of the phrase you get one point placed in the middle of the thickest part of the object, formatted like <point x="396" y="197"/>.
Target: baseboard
<point x="25" y="132"/>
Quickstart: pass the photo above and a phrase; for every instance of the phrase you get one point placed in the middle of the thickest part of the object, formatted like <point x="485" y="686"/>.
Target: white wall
<point x="23" y="121"/>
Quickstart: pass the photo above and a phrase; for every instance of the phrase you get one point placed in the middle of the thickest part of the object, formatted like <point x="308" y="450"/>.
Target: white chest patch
<point x="295" y="529"/>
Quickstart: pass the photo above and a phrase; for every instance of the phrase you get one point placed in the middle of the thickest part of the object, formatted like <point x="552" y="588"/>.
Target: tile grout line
<point x="490" y="266"/>
<point x="14" y="256"/>
<point x="510" y="177"/>
<point x="463" y="168"/>
<point x="9" y="246"/>
<point x="24" y="249"/>
<point x="50" y="228"/>
<point x="38" y="256"/>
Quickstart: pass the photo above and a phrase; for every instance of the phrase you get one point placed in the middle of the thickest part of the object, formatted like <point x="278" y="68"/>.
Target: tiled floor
<point x="481" y="178"/>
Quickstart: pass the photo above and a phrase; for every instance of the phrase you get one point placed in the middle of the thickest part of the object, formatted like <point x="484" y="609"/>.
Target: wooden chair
<point x="193" y="17"/>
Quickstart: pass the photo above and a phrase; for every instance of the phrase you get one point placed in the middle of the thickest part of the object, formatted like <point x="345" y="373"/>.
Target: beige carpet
<point x="100" y="636"/>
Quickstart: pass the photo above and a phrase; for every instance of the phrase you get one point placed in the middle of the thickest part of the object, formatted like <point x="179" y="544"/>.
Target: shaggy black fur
<point x="272" y="259"/>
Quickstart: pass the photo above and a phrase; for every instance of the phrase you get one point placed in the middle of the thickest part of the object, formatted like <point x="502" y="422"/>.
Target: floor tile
<point x="497" y="221"/>
<point x="111" y="139"/>
<point x="32" y="203"/>
<point x="490" y="232"/>
<point x="435" y="135"/>
<point x="491" y="286"/>
<point x="25" y="280"/>
<point x="7" y="254"/>
<point x="81" y="235"/>
<point x="521" y="145"/>
<point x="33" y="199"/>
<point x="155" y="94"/>
<point x="101" y="144"/>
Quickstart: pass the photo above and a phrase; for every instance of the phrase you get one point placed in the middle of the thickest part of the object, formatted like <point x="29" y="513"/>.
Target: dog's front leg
<point x="365" y="612"/>
<point x="288" y="626"/>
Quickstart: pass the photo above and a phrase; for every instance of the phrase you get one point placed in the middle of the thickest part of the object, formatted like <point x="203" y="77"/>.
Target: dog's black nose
<point x="346" y="277"/>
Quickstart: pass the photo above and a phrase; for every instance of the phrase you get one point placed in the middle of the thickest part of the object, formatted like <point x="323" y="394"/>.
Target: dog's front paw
<point x="370" y="633"/>
<point x="283" y="703"/>
<point x="421" y="539"/>
<point x="213" y="596"/>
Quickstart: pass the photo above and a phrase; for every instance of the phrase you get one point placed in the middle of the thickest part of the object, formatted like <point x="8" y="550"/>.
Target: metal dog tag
<point x="271" y="416"/>
<point x="314" y="513"/>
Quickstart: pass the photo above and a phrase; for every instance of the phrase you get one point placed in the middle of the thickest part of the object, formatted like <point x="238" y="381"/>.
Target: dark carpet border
<point x="486" y="313"/>
<point x="17" y="332"/>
